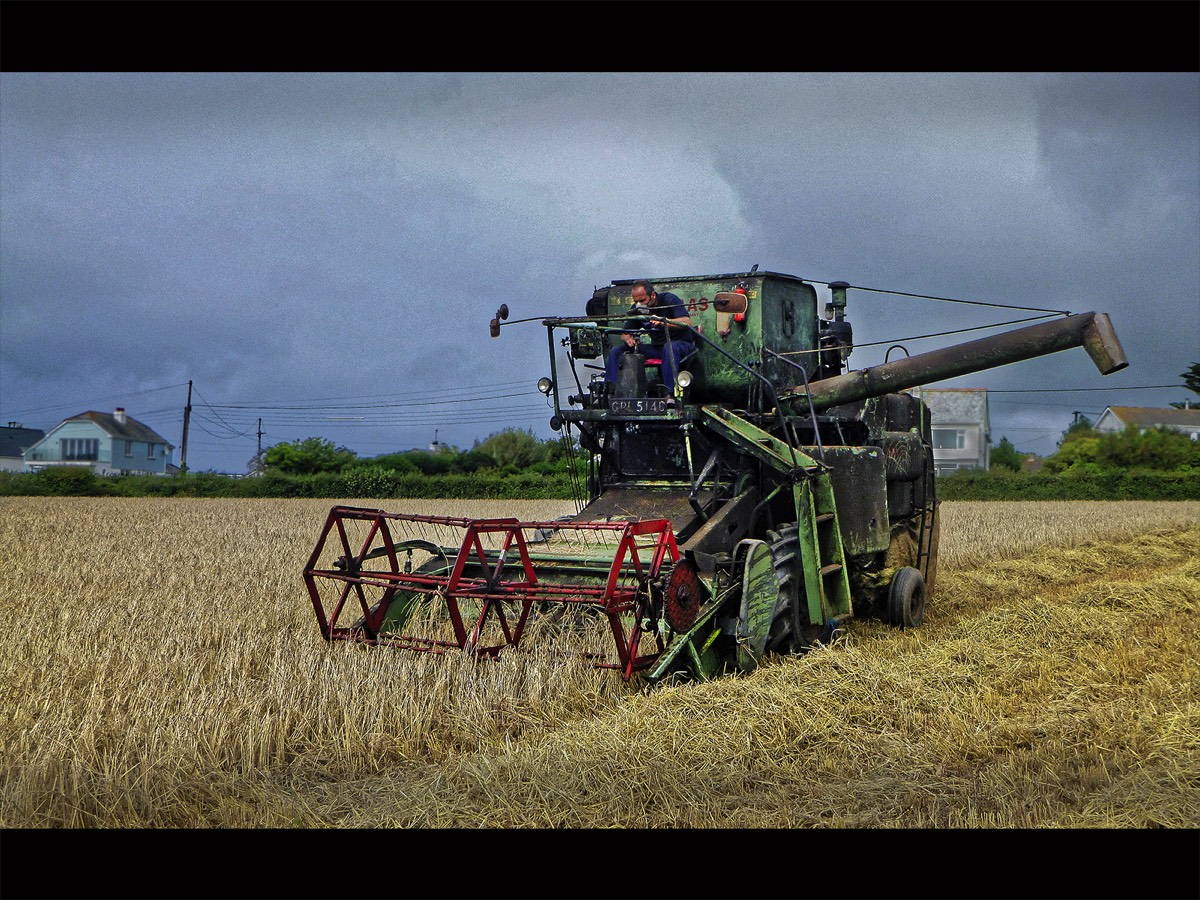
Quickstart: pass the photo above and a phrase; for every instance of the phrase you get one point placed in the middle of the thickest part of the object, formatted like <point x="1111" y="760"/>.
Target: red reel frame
<point x="496" y="572"/>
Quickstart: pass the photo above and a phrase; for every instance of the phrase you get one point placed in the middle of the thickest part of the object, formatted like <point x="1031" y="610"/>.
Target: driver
<point x="667" y="314"/>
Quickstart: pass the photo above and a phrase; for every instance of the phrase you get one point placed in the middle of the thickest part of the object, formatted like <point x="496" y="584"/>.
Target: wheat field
<point x="160" y="667"/>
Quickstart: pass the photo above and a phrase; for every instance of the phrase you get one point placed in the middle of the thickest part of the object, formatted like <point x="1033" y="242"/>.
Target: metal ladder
<point x="826" y="580"/>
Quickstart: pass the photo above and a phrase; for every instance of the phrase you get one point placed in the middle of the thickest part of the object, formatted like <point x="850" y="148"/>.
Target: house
<point x="1118" y="418"/>
<point x="14" y="441"/>
<point x="961" y="430"/>
<point x="108" y="443"/>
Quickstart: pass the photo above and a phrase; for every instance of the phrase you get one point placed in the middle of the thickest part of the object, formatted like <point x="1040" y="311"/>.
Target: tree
<point x="472" y="461"/>
<point x="1076" y="453"/>
<point x="1080" y="429"/>
<point x="397" y="463"/>
<point x="308" y="457"/>
<point x="1155" y="449"/>
<point x="561" y="450"/>
<point x="1158" y="448"/>
<point x="513" y="447"/>
<point x="1191" y="380"/>
<point x="1005" y="456"/>
<point x="257" y="463"/>
<point x="432" y="462"/>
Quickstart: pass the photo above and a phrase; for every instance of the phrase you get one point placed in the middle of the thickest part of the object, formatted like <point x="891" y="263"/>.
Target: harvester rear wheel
<point x="906" y="598"/>
<point x="790" y="629"/>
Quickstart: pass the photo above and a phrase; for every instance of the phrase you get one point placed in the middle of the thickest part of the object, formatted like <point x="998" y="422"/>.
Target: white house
<point x="1118" y="418"/>
<point x="961" y="430"/>
<point x="14" y="441"/>
<point x="107" y="443"/>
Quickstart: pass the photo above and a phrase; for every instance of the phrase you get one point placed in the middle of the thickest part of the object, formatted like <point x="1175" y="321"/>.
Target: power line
<point x="349" y="406"/>
<point x="430" y="393"/>
<point x="111" y="398"/>
<point x="1111" y="390"/>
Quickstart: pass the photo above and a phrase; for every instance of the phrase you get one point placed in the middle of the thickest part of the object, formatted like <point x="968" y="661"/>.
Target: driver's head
<point x="643" y="293"/>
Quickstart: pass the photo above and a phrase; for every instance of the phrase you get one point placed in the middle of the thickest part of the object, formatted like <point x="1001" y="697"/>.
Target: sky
<point x="319" y="254"/>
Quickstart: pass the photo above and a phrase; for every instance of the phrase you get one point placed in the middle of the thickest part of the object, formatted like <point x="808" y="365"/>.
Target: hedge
<point x="70" y="481"/>
<point x="1106" y="486"/>
<point x="968" y="485"/>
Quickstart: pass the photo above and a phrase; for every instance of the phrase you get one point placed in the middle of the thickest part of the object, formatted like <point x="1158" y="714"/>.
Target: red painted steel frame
<point x="616" y="600"/>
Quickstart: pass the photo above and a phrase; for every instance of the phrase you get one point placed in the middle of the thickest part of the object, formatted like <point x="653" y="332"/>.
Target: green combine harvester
<point x="767" y="497"/>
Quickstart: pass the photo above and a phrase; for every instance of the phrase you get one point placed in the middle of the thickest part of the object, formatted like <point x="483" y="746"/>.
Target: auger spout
<point x="1092" y="331"/>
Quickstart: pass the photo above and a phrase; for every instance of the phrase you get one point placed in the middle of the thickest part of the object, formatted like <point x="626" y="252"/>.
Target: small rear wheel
<point x="906" y="598"/>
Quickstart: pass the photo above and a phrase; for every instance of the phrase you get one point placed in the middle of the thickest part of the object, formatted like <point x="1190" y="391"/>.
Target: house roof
<point x="130" y="430"/>
<point x="15" y="441"/>
<point x="1148" y="417"/>
<point x="951" y="405"/>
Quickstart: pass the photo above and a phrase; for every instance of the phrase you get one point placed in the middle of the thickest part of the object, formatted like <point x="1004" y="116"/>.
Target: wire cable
<point x="917" y="337"/>
<point x="859" y="287"/>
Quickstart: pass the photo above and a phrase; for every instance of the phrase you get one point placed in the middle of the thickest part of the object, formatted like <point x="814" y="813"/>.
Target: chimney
<point x="119" y="415"/>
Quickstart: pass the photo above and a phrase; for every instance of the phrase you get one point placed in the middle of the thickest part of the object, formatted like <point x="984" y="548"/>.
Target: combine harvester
<point x="767" y="498"/>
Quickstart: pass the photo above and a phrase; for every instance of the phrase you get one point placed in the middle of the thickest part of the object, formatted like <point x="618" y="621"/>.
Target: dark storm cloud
<point x="1117" y="142"/>
<point x="279" y="238"/>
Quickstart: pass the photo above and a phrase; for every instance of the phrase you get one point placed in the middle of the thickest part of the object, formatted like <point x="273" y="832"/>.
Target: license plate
<point x="627" y="406"/>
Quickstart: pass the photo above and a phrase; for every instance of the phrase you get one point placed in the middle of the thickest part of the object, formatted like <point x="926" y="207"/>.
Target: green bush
<point x="1087" y="452"/>
<point x="14" y="484"/>
<point x="374" y="481"/>
<point x="69" y="481"/>
<point x="1161" y="449"/>
<point x="1078" y="451"/>
<point x="1081" y="484"/>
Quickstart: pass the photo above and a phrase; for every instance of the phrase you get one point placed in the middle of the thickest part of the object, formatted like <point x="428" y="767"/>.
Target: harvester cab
<point x="734" y="317"/>
<point x="767" y="498"/>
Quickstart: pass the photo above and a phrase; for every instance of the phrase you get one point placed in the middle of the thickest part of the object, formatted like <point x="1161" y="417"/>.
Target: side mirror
<point x="730" y="302"/>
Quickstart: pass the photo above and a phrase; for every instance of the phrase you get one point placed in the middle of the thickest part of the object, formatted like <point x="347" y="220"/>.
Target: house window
<point x="945" y="468"/>
<point x="129" y="448"/>
<point x="150" y="451"/>
<point x="949" y="438"/>
<point x="82" y="449"/>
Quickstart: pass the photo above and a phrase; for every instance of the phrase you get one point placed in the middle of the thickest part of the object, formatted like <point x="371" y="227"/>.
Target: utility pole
<point x="187" y="415"/>
<point x="258" y="459"/>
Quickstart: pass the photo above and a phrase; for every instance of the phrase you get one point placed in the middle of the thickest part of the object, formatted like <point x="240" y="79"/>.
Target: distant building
<point x="107" y="443"/>
<point x="14" y="441"/>
<point x="1118" y="418"/>
<point x="961" y="430"/>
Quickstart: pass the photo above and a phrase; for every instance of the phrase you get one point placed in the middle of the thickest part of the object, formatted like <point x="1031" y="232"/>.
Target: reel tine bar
<point x="483" y="579"/>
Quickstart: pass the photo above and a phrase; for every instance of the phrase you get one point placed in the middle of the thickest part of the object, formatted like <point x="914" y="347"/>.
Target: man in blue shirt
<point x="667" y="316"/>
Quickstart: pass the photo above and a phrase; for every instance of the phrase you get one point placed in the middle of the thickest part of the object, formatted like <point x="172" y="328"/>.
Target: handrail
<point x="811" y="411"/>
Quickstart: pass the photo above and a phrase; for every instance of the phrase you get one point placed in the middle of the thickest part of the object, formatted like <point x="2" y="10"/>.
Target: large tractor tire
<point x="790" y="628"/>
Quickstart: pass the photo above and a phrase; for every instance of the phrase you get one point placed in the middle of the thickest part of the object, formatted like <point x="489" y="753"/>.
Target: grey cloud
<point x="294" y="236"/>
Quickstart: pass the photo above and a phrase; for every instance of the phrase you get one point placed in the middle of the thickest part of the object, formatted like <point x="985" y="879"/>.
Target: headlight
<point x="544" y="385"/>
<point x="684" y="378"/>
